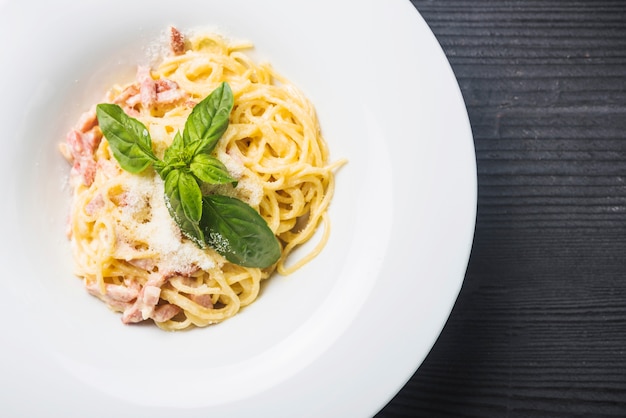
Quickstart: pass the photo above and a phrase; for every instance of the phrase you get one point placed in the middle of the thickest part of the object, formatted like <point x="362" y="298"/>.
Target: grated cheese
<point x="146" y="218"/>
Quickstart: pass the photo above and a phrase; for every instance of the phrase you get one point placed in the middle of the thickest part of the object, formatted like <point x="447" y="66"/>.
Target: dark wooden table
<point x="539" y="327"/>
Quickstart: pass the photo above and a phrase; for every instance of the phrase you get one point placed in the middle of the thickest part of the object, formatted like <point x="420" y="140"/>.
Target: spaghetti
<point x="127" y="248"/>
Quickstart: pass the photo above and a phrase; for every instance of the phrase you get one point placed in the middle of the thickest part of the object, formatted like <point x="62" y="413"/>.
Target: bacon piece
<point x="82" y="147"/>
<point x="149" y="92"/>
<point x="169" y="92"/>
<point x="164" y="84"/>
<point x="151" y="295"/>
<point x="127" y="93"/>
<point x="132" y="315"/>
<point x="171" y="96"/>
<point x="117" y="296"/>
<point x="128" y="99"/>
<point x="165" y="312"/>
<point x="83" y="164"/>
<point x="142" y="263"/>
<point x="147" y="87"/>
<point x="177" y="41"/>
<point x="122" y="293"/>
<point x="146" y="301"/>
<point x="203" y="300"/>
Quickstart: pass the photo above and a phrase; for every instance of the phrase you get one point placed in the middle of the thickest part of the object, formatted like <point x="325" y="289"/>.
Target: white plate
<point x="338" y="338"/>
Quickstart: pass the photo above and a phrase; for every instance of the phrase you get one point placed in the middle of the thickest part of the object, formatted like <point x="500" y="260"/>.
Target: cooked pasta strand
<point x="128" y="250"/>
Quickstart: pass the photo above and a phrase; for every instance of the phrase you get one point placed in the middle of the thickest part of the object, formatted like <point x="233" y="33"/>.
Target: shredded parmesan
<point x="147" y="219"/>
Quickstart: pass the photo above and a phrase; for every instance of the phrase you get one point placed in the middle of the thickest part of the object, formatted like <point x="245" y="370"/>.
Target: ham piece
<point x="177" y="41"/>
<point x="150" y="93"/>
<point x="81" y="145"/>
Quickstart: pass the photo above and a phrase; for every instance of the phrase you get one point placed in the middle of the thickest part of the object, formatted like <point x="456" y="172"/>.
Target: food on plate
<point x="194" y="182"/>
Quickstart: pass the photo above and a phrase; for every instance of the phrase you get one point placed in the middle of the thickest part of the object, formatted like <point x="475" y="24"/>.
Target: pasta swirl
<point x="128" y="250"/>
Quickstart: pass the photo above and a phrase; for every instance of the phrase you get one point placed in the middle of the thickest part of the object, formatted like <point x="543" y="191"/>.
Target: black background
<point x="539" y="327"/>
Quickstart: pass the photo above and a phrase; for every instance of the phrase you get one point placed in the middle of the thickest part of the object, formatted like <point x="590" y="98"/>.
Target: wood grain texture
<point x="539" y="328"/>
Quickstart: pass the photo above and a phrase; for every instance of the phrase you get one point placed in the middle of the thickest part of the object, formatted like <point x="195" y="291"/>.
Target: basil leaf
<point x="176" y="151"/>
<point x="208" y="121"/>
<point x="173" y="158"/>
<point x="210" y="170"/>
<point x="128" y="138"/>
<point x="238" y="232"/>
<point x="184" y="202"/>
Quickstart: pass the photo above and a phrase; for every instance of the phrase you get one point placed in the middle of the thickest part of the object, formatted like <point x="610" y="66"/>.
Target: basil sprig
<point x="129" y="139"/>
<point x="228" y="225"/>
<point x="233" y="229"/>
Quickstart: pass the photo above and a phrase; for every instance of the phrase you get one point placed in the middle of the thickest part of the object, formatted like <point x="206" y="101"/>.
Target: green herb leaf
<point x="208" y="121"/>
<point x="210" y="170"/>
<point x="184" y="202"/>
<point x="174" y="158"/>
<point x="128" y="138"/>
<point x="176" y="151"/>
<point x="230" y="226"/>
<point x="238" y="232"/>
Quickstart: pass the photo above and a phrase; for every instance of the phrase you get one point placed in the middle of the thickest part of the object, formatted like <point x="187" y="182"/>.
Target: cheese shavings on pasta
<point x="127" y="248"/>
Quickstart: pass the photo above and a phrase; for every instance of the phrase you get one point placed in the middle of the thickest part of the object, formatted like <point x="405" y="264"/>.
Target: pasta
<point x="127" y="248"/>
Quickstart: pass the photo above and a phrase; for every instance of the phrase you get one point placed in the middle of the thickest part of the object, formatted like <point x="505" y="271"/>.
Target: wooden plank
<point x="539" y="329"/>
